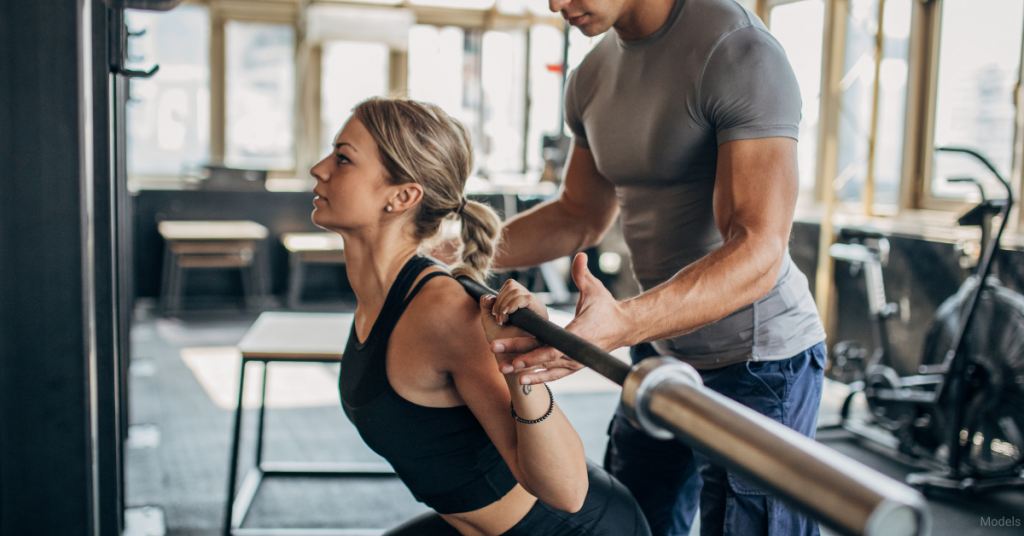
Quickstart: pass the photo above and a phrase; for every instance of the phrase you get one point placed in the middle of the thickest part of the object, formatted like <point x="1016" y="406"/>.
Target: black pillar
<point x="59" y="470"/>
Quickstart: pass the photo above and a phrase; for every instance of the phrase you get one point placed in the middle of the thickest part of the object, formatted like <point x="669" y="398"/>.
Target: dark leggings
<point x="608" y="510"/>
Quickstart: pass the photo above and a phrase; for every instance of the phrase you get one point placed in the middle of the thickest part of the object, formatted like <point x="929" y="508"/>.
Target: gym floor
<point x="183" y="387"/>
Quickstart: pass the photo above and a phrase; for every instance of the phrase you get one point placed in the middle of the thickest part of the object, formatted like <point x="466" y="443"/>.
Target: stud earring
<point x="388" y="208"/>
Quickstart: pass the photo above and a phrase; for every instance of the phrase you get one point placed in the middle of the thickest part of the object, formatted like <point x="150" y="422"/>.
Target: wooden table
<point x="212" y="244"/>
<point x="307" y="248"/>
<point x="295" y="338"/>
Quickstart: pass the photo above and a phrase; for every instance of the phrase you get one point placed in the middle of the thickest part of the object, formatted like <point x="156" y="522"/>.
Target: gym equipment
<point x="961" y="417"/>
<point x="667" y="398"/>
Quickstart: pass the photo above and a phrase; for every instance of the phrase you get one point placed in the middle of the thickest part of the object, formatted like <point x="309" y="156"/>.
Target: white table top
<point x="297" y="336"/>
<point x="212" y="230"/>
<point x="313" y="241"/>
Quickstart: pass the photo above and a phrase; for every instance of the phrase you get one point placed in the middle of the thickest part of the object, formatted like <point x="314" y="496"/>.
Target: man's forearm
<point x="739" y="273"/>
<point x="544" y="233"/>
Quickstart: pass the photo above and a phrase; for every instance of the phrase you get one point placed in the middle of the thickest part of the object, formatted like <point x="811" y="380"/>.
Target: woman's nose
<point x="317" y="172"/>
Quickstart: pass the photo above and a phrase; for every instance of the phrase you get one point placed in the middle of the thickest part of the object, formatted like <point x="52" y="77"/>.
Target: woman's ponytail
<point x="480" y="227"/>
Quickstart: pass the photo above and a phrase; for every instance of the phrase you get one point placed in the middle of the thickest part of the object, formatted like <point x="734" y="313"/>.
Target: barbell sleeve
<point x="667" y="398"/>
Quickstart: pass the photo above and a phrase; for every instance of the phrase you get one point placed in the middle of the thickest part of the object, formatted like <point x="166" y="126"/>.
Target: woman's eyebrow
<point x="338" y="146"/>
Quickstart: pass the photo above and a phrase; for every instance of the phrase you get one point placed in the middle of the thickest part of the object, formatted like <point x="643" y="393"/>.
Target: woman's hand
<point x="513" y="297"/>
<point x="492" y="329"/>
<point x="494" y="311"/>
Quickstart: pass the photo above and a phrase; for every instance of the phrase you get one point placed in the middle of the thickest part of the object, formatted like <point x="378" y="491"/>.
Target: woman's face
<point x="351" y="190"/>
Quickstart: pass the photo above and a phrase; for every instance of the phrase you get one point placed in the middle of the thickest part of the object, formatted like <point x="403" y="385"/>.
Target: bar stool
<point x="212" y="244"/>
<point x="309" y="248"/>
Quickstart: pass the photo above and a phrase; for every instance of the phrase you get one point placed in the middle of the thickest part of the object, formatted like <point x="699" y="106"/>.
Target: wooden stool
<point x="289" y="337"/>
<point x="212" y="244"/>
<point x="306" y="248"/>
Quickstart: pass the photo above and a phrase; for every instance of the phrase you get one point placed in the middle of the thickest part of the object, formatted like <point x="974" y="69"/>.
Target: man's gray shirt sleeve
<point x="748" y="89"/>
<point x="572" y="113"/>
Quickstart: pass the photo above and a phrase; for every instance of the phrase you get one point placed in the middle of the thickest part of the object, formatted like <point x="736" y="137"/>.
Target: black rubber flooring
<point x="185" y="473"/>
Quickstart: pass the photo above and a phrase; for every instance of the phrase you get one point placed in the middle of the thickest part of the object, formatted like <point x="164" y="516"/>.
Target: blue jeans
<point x="668" y="478"/>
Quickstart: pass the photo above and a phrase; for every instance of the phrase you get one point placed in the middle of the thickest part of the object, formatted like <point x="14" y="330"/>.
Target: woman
<point x="418" y="379"/>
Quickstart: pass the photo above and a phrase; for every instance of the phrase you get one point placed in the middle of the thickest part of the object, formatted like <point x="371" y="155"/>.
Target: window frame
<point x="308" y="55"/>
<point x="926" y="33"/>
<point x="221" y="12"/>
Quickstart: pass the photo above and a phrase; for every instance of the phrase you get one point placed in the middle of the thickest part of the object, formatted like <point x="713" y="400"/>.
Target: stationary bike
<point x="962" y="416"/>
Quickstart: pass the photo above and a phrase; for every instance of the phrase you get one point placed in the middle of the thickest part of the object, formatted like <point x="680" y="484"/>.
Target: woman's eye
<point x="342" y="158"/>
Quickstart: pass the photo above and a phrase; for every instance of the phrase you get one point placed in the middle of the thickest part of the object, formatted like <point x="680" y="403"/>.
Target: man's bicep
<point x="756" y="187"/>
<point x="585" y="192"/>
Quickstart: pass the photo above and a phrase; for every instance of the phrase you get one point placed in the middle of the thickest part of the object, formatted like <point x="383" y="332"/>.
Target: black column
<point x="49" y="350"/>
<point x="111" y="321"/>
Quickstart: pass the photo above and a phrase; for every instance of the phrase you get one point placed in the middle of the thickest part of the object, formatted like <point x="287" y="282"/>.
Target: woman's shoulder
<point x="443" y="316"/>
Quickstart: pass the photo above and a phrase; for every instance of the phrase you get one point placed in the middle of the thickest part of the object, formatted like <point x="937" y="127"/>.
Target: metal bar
<point x="360" y="469"/>
<point x="246" y="493"/>
<point x="263" y="411"/>
<point x="593" y="357"/>
<point x="233" y="468"/>
<point x="667" y="398"/>
<point x="665" y="394"/>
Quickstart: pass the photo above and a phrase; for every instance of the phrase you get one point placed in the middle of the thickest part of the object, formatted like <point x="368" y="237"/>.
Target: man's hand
<point x="599" y="320"/>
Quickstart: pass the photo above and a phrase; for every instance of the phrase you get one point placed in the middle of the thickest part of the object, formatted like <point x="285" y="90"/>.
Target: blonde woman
<point x="418" y="379"/>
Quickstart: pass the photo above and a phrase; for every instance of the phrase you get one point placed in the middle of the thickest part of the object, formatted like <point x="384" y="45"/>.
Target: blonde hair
<point x="420" y="143"/>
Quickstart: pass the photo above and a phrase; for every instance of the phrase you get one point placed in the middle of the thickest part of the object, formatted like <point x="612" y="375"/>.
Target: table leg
<point x="263" y="407"/>
<point x="233" y="468"/>
<point x="296" y="274"/>
<point x="165" y="279"/>
<point x="177" y="284"/>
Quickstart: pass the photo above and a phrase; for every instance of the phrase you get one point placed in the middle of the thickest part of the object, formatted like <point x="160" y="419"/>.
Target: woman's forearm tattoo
<point x="527" y="389"/>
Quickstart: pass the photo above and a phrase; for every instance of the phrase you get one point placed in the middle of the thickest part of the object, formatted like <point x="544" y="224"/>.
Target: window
<point x="168" y="115"/>
<point x="444" y="69"/>
<point x="259" y="95"/>
<point x="799" y="27"/>
<point x="857" y="100"/>
<point x="974" y="95"/>
<point x="545" y="91"/>
<point x="503" y="76"/>
<point x="350" y="72"/>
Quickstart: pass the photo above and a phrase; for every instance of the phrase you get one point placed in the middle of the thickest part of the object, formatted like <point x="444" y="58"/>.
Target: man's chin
<point x="592" y="29"/>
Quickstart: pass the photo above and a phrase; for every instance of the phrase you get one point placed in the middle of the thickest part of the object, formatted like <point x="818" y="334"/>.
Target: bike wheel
<point x="993" y="424"/>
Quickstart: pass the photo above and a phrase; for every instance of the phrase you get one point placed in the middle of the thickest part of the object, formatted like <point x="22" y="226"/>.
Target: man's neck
<point x="641" y="18"/>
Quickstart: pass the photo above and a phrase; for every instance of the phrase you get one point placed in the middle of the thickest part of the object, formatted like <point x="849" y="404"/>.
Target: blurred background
<point x="195" y="232"/>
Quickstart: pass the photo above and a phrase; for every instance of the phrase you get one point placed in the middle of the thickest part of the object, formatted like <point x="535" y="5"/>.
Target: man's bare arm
<point x="583" y="212"/>
<point x="756" y="187"/>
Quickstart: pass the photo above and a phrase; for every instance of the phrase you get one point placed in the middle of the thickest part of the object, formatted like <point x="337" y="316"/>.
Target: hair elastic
<point x="462" y="205"/>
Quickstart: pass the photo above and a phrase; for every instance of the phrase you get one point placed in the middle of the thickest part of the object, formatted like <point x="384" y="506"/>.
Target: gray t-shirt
<point x="653" y="112"/>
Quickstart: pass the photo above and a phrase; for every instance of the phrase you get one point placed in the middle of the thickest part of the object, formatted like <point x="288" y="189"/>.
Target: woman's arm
<point x="546" y="457"/>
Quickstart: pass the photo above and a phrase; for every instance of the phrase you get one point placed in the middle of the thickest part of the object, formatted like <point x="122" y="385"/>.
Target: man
<point x="685" y="119"/>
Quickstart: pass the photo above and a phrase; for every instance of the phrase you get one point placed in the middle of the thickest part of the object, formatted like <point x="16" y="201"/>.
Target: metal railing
<point x="667" y="398"/>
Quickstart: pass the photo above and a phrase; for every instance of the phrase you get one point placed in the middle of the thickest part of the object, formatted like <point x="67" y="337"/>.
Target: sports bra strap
<point x="416" y="290"/>
<point x="400" y="296"/>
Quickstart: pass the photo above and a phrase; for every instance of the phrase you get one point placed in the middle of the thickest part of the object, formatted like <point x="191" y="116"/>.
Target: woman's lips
<point x="575" y="21"/>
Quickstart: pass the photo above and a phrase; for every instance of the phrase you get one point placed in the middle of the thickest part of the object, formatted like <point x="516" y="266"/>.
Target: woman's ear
<point x="408" y="196"/>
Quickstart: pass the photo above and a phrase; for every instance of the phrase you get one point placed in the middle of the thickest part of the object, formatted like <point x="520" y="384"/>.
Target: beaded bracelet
<point x="551" y="408"/>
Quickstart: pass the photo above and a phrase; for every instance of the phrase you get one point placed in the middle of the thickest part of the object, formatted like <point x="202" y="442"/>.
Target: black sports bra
<point x="443" y="455"/>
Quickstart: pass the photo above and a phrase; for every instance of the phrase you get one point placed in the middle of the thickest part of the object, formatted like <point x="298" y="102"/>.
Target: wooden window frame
<point x="926" y="32"/>
<point x="826" y="140"/>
